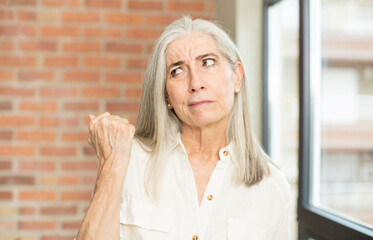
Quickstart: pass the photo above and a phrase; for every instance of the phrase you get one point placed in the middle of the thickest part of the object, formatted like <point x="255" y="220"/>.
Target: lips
<point x="200" y="103"/>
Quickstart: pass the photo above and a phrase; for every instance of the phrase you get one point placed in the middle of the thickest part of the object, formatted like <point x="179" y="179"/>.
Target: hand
<point x="111" y="137"/>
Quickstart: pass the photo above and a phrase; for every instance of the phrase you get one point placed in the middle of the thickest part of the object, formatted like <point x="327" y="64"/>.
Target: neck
<point x="205" y="142"/>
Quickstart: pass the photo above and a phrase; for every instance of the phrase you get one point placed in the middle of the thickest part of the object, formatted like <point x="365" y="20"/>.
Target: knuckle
<point x="131" y="129"/>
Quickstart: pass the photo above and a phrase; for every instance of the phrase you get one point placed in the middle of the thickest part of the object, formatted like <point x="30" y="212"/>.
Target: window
<point x="281" y="57"/>
<point x="336" y="120"/>
<point x="335" y="114"/>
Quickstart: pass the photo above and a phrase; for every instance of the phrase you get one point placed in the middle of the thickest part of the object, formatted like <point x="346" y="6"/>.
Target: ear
<point x="239" y="73"/>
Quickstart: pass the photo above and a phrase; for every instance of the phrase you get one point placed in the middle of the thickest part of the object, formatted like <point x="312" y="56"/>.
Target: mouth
<point x="200" y="103"/>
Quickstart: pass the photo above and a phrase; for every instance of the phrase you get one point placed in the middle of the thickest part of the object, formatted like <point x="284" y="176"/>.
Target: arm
<point x="283" y="227"/>
<point x="111" y="137"/>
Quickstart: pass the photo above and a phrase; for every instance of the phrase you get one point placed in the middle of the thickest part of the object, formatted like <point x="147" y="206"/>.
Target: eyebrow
<point x="181" y="62"/>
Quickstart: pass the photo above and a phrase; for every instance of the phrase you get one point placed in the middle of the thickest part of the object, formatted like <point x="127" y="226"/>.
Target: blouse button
<point x="209" y="197"/>
<point x="225" y="153"/>
<point x="195" y="237"/>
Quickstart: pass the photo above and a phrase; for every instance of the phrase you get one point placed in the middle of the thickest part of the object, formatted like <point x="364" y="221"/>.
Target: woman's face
<point x="200" y="81"/>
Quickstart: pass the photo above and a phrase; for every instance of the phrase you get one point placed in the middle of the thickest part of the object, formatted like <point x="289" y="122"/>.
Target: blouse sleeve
<point x="282" y="230"/>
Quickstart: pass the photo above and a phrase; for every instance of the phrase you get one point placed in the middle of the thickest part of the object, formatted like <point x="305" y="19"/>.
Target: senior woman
<point x="193" y="168"/>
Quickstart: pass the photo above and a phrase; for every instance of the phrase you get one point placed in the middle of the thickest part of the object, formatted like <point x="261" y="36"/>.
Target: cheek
<point x="175" y="93"/>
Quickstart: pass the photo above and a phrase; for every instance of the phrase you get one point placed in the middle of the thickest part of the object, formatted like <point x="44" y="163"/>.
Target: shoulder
<point x="277" y="185"/>
<point x="139" y="150"/>
<point x="134" y="181"/>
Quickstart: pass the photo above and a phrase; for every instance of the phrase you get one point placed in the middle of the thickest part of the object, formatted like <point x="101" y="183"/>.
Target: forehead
<point x="190" y="46"/>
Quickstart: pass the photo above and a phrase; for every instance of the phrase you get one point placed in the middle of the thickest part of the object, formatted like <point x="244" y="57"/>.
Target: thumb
<point x="91" y="117"/>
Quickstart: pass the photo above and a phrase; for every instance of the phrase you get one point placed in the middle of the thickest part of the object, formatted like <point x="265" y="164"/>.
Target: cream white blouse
<point x="227" y="211"/>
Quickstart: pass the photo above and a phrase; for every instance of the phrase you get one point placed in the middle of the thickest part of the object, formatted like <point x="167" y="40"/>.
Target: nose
<point x="196" y="81"/>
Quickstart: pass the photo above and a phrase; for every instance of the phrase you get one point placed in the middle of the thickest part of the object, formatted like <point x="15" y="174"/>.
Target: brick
<point x="123" y="48"/>
<point x="6" y="135"/>
<point x="75" y="136"/>
<point x="89" y="151"/>
<point x="137" y="63"/>
<point x="78" y="166"/>
<point x="58" y="151"/>
<point x="16" y="61"/>
<point x="48" y="17"/>
<point x="47" y="46"/>
<point x="133" y="92"/>
<point x="35" y="76"/>
<point x="59" y="3"/>
<point x="16" y="150"/>
<point x="58" y="92"/>
<point x="48" y="180"/>
<point x="17" y="180"/>
<point x="103" y="3"/>
<point x="59" y="31"/>
<point x="100" y="92"/>
<point x="145" y="5"/>
<point x="6" y="15"/>
<point x="58" y="210"/>
<point x="6" y="106"/>
<point x="7" y="211"/>
<point x="81" y="47"/>
<point x="73" y="180"/>
<point x="122" y="107"/>
<point x="23" y="2"/>
<point x="124" y="18"/>
<point x="37" y="225"/>
<point x="5" y="195"/>
<point x="143" y="33"/>
<point x="89" y="180"/>
<point x="6" y="46"/>
<point x="7" y="226"/>
<point x="76" y="196"/>
<point x="150" y="48"/>
<point x="57" y="122"/>
<point x="81" y="77"/>
<point x="29" y="211"/>
<point x="16" y="30"/>
<point x="8" y="121"/>
<point x="38" y="106"/>
<point x="16" y="91"/>
<point x="102" y="62"/>
<point x="61" y="62"/>
<point x="71" y="225"/>
<point x="159" y="20"/>
<point x="6" y="75"/>
<point x="26" y="16"/>
<point x="27" y="165"/>
<point x="124" y="77"/>
<point x="36" y="136"/>
<point x="80" y="17"/>
<point x="57" y="237"/>
<point x="5" y="165"/>
<point x="81" y="106"/>
<point x="186" y="6"/>
<point x="37" y="196"/>
<point x="103" y="32"/>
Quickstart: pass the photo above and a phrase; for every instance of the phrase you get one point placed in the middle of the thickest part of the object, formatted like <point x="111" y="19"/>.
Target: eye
<point x="176" y="71"/>
<point x="208" y="62"/>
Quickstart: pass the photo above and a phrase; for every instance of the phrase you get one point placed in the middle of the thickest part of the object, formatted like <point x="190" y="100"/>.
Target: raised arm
<point x="111" y="137"/>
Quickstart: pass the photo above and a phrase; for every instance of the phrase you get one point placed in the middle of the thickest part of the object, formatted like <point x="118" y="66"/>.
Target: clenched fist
<point x="111" y="137"/>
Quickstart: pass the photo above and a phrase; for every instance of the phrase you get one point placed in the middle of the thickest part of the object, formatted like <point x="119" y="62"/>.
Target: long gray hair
<point x="157" y="126"/>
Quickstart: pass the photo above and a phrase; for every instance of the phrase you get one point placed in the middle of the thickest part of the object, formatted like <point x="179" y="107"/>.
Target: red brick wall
<point x="61" y="60"/>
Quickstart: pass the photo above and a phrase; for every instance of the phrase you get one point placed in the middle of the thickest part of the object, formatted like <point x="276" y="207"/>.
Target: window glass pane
<point x="342" y="101"/>
<point x="283" y="103"/>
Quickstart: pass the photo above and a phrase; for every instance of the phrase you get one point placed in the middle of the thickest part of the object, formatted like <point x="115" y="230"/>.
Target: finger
<point x="102" y="115"/>
<point x="124" y="120"/>
<point x="113" y="117"/>
<point x="91" y="117"/>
